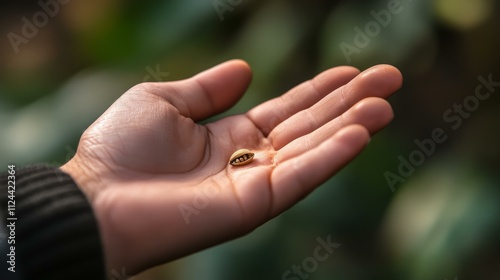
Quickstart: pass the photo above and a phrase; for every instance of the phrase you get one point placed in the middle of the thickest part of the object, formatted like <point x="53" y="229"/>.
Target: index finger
<point x="271" y="113"/>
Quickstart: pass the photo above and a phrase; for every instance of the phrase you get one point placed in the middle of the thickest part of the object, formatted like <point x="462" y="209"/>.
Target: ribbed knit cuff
<point x="56" y="232"/>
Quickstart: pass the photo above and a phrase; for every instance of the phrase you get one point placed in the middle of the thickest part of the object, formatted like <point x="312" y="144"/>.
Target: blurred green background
<point x="439" y="219"/>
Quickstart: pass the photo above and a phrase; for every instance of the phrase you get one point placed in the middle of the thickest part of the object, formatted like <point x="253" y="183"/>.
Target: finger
<point x="295" y="178"/>
<point x="373" y="113"/>
<point x="208" y="93"/>
<point x="269" y="114"/>
<point x="379" y="81"/>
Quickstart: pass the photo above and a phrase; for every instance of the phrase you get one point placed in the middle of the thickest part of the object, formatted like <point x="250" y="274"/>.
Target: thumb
<point x="210" y="92"/>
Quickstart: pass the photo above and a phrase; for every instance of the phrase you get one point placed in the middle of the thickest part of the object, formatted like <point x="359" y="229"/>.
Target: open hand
<point x="160" y="183"/>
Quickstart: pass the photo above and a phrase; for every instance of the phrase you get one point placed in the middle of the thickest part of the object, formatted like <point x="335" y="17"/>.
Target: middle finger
<point x="378" y="81"/>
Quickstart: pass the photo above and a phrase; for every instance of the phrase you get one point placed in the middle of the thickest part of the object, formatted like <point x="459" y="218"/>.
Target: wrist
<point x="89" y="181"/>
<point x="84" y="176"/>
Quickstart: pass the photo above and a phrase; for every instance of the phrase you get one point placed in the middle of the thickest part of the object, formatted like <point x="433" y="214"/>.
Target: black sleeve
<point x="55" y="231"/>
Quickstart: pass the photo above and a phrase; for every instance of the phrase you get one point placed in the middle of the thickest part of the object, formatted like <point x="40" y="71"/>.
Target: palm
<point x="177" y="151"/>
<point x="166" y="180"/>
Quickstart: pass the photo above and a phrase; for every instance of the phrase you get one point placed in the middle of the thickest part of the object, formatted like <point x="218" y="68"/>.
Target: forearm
<point x="56" y="232"/>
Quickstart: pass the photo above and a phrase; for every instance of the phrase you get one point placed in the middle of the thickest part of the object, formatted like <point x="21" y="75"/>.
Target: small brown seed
<point x="241" y="157"/>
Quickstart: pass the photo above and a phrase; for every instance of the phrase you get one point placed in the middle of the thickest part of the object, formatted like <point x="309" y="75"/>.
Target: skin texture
<point x="146" y="156"/>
